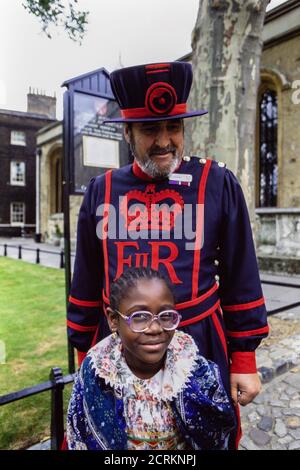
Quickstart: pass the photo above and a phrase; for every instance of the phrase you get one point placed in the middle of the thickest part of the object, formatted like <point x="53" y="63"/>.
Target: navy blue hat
<point x="153" y="92"/>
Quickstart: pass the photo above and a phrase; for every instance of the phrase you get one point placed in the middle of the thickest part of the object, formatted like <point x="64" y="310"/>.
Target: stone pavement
<point x="44" y="445"/>
<point x="272" y="421"/>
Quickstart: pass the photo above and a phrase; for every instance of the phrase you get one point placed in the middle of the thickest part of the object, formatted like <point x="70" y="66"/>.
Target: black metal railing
<point x="56" y="384"/>
<point x="38" y="251"/>
<point x="282" y="284"/>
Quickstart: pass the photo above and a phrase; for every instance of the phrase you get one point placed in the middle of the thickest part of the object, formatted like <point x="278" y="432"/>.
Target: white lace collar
<point x="109" y="363"/>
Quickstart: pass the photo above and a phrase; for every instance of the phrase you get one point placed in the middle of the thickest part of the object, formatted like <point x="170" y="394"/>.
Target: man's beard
<point x="150" y="167"/>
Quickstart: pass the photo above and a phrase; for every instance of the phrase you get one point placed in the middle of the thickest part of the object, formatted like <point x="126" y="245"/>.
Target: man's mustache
<point x="162" y="151"/>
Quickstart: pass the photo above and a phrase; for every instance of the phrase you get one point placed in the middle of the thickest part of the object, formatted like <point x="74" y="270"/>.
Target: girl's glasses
<point x="140" y="321"/>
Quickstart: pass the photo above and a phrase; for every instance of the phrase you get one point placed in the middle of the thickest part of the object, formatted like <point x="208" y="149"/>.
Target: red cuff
<point x="80" y="356"/>
<point x="243" y="363"/>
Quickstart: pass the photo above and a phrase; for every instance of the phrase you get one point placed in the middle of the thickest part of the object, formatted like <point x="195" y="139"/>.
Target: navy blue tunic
<point x="210" y="258"/>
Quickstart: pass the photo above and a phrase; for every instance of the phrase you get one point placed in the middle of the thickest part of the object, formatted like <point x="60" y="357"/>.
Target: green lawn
<point x="32" y="326"/>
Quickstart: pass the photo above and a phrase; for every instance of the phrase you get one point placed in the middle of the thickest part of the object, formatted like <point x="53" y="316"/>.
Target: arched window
<point x="268" y="161"/>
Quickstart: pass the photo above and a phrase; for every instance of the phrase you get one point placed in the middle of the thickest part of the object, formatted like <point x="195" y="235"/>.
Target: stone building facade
<point x="277" y="178"/>
<point x="50" y="204"/>
<point x="278" y="224"/>
<point x="18" y="163"/>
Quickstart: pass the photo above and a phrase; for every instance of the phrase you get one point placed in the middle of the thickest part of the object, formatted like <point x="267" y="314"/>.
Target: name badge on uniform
<point x="181" y="179"/>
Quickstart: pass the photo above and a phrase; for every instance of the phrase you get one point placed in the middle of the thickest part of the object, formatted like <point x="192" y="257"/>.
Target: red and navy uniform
<point x="228" y="318"/>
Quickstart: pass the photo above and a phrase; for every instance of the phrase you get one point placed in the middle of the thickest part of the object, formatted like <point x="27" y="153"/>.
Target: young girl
<point x="145" y="387"/>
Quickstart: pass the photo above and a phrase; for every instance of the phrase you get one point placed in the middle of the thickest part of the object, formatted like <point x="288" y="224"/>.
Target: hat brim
<point x="200" y="112"/>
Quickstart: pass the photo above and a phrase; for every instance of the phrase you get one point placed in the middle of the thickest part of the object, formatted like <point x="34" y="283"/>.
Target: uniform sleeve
<point x="85" y="307"/>
<point x="242" y="301"/>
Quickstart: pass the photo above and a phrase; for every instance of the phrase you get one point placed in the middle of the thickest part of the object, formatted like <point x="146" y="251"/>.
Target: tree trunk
<point x="227" y="46"/>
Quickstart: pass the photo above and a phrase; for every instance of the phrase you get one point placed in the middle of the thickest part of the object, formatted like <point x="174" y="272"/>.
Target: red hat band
<point x="160" y="99"/>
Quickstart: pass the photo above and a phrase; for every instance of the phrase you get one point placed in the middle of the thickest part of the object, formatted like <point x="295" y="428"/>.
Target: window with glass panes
<point x="17" y="138"/>
<point x="17" y="213"/>
<point x="268" y="165"/>
<point x="17" y="173"/>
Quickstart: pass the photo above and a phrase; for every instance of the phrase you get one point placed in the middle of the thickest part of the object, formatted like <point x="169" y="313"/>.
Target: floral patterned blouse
<point x="150" y="424"/>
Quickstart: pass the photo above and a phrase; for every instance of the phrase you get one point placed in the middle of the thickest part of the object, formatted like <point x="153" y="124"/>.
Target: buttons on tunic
<point x="216" y="262"/>
<point x="186" y="158"/>
<point x="202" y="160"/>
<point x="217" y="278"/>
<point x="221" y="164"/>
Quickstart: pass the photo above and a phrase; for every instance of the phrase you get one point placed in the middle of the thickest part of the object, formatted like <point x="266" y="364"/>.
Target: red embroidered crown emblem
<point x="150" y="210"/>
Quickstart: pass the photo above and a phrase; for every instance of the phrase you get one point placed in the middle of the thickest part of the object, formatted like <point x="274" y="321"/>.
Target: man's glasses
<point x="140" y="321"/>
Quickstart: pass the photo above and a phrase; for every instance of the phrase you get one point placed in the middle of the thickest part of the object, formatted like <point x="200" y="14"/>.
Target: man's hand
<point x="244" y="388"/>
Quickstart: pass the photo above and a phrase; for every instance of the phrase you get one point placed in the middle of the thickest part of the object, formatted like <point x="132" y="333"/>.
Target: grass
<point x="32" y="327"/>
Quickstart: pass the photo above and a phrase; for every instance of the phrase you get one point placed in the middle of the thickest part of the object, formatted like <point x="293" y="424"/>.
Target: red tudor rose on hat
<point x="153" y="92"/>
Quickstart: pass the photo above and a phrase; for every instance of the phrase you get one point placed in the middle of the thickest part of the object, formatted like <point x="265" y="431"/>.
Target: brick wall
<point x="11" y="193"/>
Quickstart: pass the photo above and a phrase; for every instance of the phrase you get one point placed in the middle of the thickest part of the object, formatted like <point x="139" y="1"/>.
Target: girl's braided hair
<point x="129" y="279"/>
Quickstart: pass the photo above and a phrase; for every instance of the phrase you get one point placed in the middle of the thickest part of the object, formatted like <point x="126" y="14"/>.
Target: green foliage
<point x="59" y="13"/>
<point x="33" y="328"/>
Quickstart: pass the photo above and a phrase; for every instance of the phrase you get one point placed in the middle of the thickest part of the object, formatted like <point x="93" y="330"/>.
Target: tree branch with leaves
<point x="59" y="13"/>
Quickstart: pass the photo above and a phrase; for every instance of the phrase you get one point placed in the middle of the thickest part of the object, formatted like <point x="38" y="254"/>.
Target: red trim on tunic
<point x="105" y="298"/>
<point x="157" y="66"/>
<point x="77" y="327"/>
<point x="220" y="332"/>
<point x="136" y="113"/>
<point x="199" y="228"/>
<point x="200" y="317"/>
<point x="243" y="362"/>
<point x="241" y="334"/>
<point x="94" y="340"/>
<point x="149" y="72"/>
<point x="192" y="303"/>
<point x="64" y="445"/>
<point x="104" y="237"/>
<point x="140" y="173"/>
<point x="246" y="306"/>
<point x="85" y="303"/>
<point x="80" y="357"/>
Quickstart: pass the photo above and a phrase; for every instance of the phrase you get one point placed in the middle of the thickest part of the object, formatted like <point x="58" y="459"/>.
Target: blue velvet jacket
<point x="203" y="412"/>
